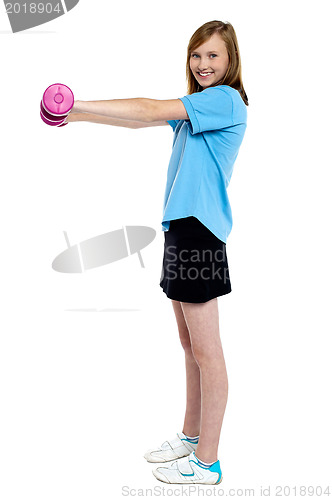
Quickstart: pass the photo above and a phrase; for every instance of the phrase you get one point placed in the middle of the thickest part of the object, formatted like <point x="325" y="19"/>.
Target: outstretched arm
<point x="138" y="109"/>
<point x="106" y="120"/>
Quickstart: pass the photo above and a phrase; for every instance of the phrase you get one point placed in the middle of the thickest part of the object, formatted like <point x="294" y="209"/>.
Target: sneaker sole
<point x="160" y="460"/>
<point x="167" y="482"/>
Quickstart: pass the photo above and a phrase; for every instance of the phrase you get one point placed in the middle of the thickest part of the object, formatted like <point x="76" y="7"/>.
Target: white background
<point x="85" y="389"/>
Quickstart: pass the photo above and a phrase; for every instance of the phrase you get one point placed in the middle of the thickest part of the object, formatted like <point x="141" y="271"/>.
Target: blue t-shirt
<point x="205" y="148"/>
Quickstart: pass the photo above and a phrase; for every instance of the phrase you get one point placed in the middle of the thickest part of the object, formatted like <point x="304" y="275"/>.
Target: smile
<point x="204" y="75"/>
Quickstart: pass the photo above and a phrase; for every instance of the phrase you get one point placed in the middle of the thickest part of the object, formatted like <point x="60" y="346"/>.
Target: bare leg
<point x="203" y="324"/>
<point x="191" y="426"/>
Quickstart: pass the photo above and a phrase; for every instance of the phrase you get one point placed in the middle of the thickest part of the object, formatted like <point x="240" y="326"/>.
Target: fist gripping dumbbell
<point x="56" y="104"/>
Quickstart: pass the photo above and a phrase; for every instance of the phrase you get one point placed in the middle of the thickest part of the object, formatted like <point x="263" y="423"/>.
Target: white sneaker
<point x="180" y="446"/>
<point x="187" y="470"/>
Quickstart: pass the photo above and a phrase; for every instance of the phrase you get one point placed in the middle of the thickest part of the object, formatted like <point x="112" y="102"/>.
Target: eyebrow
<point x="210" y="51"/>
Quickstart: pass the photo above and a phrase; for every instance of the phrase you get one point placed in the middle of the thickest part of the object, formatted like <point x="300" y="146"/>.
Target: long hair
<point x="233" y="76"/>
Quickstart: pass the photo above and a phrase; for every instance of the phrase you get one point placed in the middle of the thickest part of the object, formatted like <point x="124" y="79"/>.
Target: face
<point x="209" y="61"/>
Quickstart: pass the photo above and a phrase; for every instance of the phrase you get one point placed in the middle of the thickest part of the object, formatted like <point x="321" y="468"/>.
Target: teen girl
<point x="209" y="124"/>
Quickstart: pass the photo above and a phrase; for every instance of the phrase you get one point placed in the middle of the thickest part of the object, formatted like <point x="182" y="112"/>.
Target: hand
<point x="75" y="107"/>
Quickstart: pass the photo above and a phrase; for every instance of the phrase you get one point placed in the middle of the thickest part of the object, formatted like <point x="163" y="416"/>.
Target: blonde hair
<point x="233" y="76"/>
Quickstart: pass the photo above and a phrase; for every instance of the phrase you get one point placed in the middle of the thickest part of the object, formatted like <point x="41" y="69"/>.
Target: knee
<point x="207" y="355"/>
<point x="186" y="342"/>
<point x="186" y="346"/>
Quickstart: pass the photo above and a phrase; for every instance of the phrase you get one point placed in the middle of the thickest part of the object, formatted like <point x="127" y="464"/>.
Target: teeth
<point x="205" y="74"/>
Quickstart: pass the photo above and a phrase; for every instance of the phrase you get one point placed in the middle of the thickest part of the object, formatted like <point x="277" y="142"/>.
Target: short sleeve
<point x="173" y="123"/>
<point x="211" y="109"/>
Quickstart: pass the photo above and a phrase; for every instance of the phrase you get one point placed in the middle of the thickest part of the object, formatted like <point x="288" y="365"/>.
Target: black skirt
<point x="195" y="266"/>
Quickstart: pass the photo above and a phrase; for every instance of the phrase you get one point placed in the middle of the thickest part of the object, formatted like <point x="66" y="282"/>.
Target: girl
<point x="209" y="124"/>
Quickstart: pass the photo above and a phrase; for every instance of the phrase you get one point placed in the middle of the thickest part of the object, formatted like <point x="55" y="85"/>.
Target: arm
<point x="138" y="109"/>
<point x="105" y="120"/>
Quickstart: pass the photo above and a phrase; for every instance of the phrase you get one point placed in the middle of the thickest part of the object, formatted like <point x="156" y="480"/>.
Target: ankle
<point x="208" y="459"/>
<point x="191" y="434"/>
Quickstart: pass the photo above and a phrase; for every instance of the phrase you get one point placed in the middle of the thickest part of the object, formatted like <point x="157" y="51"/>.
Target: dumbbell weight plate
<point x="53" y="124"/>
<point x="51" y="118"/>
<point x="54" y="121"/>
<point x="58" y="99"/>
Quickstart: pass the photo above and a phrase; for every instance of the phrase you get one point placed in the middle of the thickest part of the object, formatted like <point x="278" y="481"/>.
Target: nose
<point x="203" y="64"/>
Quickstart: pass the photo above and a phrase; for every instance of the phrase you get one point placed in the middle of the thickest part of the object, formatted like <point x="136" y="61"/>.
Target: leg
<point x="203" y="324"/>
<point x="191" y="426"/>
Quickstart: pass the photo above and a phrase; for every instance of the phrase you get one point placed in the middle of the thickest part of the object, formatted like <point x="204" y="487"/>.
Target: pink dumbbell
<point x="49" y="119"/>
<point x="56" y="104"/>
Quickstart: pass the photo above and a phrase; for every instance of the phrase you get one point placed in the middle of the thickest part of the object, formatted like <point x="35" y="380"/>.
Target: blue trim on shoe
<point x="213" y="468"/>
<point x="187" y="474"/>
<point x="216" y="468"/>
<point x="192" y="441"/>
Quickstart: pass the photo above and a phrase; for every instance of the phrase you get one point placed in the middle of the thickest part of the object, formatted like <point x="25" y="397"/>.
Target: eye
<point x="213" y="55"/>
<point x="194" y="55"/>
